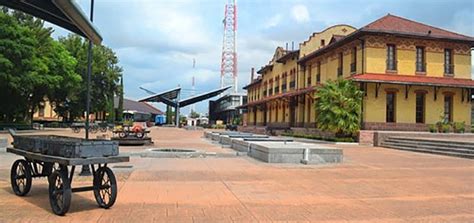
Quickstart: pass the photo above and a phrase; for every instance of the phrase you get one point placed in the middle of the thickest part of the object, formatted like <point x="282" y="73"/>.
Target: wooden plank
<point x="69" y="161"/>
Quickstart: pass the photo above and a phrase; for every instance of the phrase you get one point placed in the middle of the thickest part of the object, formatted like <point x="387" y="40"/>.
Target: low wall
<point x="366" y="137"/>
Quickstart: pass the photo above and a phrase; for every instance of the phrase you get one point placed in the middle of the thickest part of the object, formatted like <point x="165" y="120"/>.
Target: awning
<point x="414" y="80"/>
<point x="64" y="13"/>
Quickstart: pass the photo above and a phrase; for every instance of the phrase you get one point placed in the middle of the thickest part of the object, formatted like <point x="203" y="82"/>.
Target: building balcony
<point x="283" y="88"/>
<point x="277" y="90"/>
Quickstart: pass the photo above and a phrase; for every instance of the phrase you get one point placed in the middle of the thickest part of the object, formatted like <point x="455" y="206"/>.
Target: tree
<point x="194" y="114"/>
<point x="338" y="107"/>
<point x="105" y="77"/>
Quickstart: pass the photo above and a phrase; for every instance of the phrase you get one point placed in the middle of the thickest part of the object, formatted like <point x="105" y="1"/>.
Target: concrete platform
<point x="294" y="152"/>
<point x="129" y="141"/>
<point x="227" y="139"/>
<point x="277" y="149"/>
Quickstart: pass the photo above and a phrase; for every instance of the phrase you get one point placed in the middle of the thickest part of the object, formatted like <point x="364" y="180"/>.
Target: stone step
<point x="435" y="147"/>
<point x="455" y="154"/>
<point x="444" y="145"/>
<point x="435" y="141"/>
<point x="440" y="145"/>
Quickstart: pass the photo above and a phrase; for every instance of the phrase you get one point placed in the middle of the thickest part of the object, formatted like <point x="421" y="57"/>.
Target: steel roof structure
<point x="64" y="13"/>
<point x="171" y="98"/>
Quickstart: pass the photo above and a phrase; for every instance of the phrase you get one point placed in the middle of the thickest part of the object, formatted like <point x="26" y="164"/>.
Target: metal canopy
<point x="64" y="13"/>
<point x="200" y="97"/>
<point x="166" y="97"/>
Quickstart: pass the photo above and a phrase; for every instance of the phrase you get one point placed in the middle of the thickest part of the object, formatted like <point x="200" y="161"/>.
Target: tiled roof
<point x="283" y="95"/>
<point x="253" y="82"/>
<point x="395" y="24"/>
<point x="288" y="55"/>
<point x="414" y="80"/>
<point x="264" y="68"/>
<point x="140" y="107"/>
<point x="336" y="38"/>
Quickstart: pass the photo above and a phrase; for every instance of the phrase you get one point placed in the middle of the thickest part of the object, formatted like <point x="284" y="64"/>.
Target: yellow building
<point x="412" y="75"/>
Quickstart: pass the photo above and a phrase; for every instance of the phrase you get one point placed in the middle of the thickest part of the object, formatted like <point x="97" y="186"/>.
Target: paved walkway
<point x="372" y="185"/>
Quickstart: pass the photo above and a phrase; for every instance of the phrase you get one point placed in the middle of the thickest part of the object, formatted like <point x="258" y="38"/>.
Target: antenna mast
<point x="229" y="53"/>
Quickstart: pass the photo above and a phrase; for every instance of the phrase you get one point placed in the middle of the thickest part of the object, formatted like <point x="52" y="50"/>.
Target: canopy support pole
<point x="85" y="171"/>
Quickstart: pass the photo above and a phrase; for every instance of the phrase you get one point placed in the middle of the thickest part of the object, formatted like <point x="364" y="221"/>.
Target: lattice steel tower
<point x="229" y="53"/>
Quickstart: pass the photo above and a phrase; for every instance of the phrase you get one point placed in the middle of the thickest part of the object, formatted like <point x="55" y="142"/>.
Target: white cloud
<point x="300" y="13"/>
<point x="273" y="21"/>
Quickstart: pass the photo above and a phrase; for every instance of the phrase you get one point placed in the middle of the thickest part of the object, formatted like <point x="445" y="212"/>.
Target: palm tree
<point x="338" y="107"/>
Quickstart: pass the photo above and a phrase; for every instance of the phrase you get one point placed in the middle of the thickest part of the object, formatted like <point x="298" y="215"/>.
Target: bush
<point x="459" y="127"/>
<point x="218" y="126"/>
<point x="432" y="128"/>
<point x="445" y="128"/>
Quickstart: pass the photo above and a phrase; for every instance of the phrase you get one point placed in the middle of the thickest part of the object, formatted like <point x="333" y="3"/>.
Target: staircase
<point x="433" y="146"/>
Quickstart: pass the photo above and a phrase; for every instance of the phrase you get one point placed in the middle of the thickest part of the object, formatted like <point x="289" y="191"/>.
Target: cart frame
<point x="60" y="177"/>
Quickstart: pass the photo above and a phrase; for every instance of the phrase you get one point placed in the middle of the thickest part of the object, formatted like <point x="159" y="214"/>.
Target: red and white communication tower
<point x="229" y="53"/>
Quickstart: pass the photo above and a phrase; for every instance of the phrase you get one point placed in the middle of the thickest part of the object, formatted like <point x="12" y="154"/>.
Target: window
<point x="420" y="59"/>
<point x="420" y="108"/>
<point x="341" y="62"/>
<point x="41" y="111"/>
<point x="318" y="72"/>
<point x="322" y="43"/>
<point x="448" y="62"/>
<point x="391" y="57"/>
<point x="309" y="76"/>
<point x="448" y="108"/>
<point x="390" y="111"/>
<point x="353" y="59"/>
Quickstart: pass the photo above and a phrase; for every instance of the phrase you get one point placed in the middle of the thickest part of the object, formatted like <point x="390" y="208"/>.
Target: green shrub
<point x="459" y="127"/>
<point x="432" y="128"/>
<point x="445" y="128"/>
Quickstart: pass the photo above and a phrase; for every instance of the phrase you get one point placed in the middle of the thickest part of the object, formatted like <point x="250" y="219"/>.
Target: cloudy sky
<point x="156" y="40"/>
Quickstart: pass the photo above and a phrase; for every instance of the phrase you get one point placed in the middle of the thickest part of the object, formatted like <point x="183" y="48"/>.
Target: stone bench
<point x="294" y="152"/>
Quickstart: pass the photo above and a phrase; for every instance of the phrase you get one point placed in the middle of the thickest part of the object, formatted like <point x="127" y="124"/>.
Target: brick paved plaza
<point x="372" y="185"/>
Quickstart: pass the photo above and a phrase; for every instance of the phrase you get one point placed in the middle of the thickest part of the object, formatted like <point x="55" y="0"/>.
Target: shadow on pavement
<point x="39" y="197"/>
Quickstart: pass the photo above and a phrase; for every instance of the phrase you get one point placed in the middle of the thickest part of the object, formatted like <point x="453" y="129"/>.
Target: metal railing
<point x="392" y="64"/>
<point x="449" y="69"/>
<point x="420" y="67"/>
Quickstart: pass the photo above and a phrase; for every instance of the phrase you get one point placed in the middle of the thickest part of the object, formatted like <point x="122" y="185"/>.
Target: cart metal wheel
<point x="123" y="134"/>
<point x="105" y="187"/>
<point x="20" y="177"/>
<point x="60" y="191"/>
<point x="139" y="135"/>
<point x="76" y="129"/>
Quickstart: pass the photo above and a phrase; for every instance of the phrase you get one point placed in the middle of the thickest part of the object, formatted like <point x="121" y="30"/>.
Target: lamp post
<point x="85" y="171"/>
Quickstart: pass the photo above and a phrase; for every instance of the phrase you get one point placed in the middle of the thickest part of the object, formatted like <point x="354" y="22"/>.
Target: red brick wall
<point x="366" y="137"/>
<point x="395" y="126"/>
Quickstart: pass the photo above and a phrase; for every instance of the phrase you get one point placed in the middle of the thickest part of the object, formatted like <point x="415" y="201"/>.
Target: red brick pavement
<point x="372" y="185"/>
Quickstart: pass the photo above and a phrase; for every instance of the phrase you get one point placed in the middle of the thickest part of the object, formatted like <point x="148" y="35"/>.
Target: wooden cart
<point x="60" y="177"/>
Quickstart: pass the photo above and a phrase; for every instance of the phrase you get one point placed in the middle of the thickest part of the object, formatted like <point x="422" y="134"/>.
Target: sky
<point x="157" y="40"/>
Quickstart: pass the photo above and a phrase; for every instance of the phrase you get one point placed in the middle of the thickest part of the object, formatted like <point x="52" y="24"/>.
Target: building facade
<point x="226" y="108"/>
<point x="412" y="75"/>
